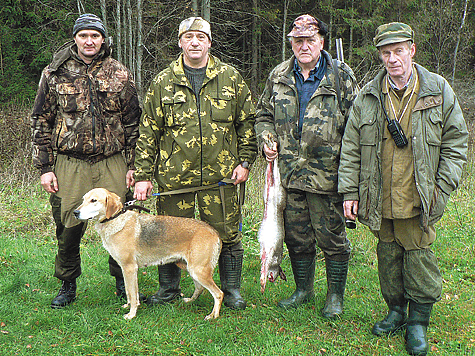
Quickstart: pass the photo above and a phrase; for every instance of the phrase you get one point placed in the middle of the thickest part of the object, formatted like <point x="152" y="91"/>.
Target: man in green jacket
<point x="85" y="124"/>
<point x="197" y="129"/>
<point x="305" y="105"/>
<point x="403" y="152"/>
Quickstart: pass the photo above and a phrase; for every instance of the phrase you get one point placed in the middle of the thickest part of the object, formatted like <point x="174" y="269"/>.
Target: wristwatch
<point x="245" y="164"/>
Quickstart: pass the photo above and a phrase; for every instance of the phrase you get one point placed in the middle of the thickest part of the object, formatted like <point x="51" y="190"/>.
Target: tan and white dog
<point x="138" y="240"/>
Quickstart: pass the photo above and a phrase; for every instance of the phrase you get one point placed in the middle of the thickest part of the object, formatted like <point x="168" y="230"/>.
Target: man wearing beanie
<point x="197" y="133"/>
<point x="402" y="156"/>
<point x="305" y="105"/>
<point x="85" y="126"/>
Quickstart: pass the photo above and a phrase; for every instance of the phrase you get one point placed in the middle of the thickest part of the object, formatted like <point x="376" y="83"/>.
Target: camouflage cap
<point x="394" y="32"/>
<point x="305" y="26"/>
<point x="194" y="24"/>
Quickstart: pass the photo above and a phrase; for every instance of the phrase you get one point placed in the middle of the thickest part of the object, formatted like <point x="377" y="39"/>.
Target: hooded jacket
<point x="439" y="143"/>
<point x="89" y="112"/>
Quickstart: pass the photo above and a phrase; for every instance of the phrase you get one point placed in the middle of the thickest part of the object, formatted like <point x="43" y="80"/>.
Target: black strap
<point x="124" y="209"/>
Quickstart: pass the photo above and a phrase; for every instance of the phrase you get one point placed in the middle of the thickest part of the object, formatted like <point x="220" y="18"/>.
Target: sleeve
<point x="130" y="117"/>
<point x="244" y="125"/>
<point x="454" y="141"/>
<point x="149" y="132"/>
<point x="43" y="119"/>
<point x="265" y="113"/>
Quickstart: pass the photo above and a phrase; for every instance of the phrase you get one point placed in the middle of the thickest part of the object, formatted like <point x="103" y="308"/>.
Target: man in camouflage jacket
<point x="197" y="129"/>
<point x="85" y="126"/>
<point x="400" y="191"/>
<point x="300" y="107"/>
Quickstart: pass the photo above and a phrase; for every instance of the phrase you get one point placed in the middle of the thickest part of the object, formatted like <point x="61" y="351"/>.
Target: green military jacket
<point x="309" y="163"/>
<point x="181" y="148"/>
<point x="439" y="143"/>
<point x="85" y="111"/>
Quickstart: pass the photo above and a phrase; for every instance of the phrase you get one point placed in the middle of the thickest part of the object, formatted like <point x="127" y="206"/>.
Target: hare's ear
<point x="113" y="204"/>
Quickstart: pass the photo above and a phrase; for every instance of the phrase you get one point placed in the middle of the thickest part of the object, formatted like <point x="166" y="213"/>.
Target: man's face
<point x="89" y="44"/>
<point x="195" y="46"/>
<point x="397" y="59"/>
<point x="307" y="49"/>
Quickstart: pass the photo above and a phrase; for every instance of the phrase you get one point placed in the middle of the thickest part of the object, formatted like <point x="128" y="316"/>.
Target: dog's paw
<point x="187" y="300"/>
<point x="129" y="316"/>
<point x="126" y="305"/>
<point x="209" y="317"/>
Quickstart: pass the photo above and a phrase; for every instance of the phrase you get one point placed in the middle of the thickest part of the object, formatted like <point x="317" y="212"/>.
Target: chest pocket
<point x="221" y="108"/>
<point x="368" y="139"/>
<point x="71" y="98"/>
<point x="174" y="109"/>
<point x="431" y="112"/>
<point x="110" y="96"/>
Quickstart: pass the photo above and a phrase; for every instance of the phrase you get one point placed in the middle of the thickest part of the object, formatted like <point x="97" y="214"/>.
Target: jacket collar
<point x="69" y="50"/>
<point x="212" y="70"/>
<point x="427" y="80"/>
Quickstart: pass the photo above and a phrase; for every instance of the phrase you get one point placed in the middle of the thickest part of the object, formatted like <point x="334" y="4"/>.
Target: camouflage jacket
<point x="439" y="143"/>
<point x="181" y="148"/>
<point x="309" y="163"/>
<point x="85" y="111"/>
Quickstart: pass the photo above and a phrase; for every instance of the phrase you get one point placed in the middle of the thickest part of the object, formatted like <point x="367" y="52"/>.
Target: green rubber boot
<point x="303" y="269"/>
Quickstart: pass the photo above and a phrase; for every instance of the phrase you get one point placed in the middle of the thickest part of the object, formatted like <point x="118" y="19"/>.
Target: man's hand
<point x="49" y="182"/>
<point x="350" y="209"/>
<point x="240" y="174"/>
<point x="129" y="179"/>
<point x="143" y="189"/>
<point x="271" y="153"/>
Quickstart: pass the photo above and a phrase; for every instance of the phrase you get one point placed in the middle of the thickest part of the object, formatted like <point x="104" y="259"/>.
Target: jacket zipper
<point x="92" y="110"/>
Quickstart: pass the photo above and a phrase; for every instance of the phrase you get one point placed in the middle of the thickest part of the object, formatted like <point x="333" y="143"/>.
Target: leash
<point x="127" y="206"/>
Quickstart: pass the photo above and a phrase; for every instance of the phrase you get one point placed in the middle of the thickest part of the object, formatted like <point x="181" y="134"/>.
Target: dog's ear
<point x="113" y="204"/>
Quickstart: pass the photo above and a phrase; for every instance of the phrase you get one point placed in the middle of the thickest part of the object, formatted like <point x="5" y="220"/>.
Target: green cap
<point x="194" y="24"/>
<point x="394" y="32"/>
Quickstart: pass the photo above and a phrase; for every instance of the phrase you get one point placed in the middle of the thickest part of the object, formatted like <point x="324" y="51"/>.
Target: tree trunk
<point x="284" y="29"/>
<point x="458" y="40"/>
<point x="139" y="51"/>
<point x="119" y="30"/>
<point x="206" y="10"/>
<point x="129" y="49"/>
<point x="195" y="7"/>
<point x="104" y="15"/>
<point x="254" y="47"/>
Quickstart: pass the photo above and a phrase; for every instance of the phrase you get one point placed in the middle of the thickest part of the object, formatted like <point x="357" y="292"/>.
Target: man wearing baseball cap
<point x="196" y="132"/>
<point x="85" y="125"/>
<point x="305" y="106"/>
<point x="402" y="156"/>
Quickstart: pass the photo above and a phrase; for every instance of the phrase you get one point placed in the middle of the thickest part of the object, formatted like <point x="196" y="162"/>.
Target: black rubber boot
<point x="230" y="269"/>
<point x="169" y="278"/>
<point x="337" y="272"/>
<point x="120" y="290"/>
<point x="416" y="329"/>
<point x="303" y="269"/>
<point x="66" y="295"/>
<point x="394" y="321"/>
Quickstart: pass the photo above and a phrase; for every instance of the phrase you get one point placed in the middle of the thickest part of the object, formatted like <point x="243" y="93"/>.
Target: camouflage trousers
<point x="208" y="205"/>
<point x="407" y="267"/>
<point x="311" y="219"/>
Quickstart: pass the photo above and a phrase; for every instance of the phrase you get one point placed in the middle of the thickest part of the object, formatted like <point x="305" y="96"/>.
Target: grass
<point x="94" y="325"/>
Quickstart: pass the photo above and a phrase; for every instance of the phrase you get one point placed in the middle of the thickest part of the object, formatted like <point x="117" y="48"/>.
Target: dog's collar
<point x="127" y="206"/>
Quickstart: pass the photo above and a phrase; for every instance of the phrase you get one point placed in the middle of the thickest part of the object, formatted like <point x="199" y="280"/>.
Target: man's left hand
<point x="240" y="174"/>
<point x="129" y="178"/>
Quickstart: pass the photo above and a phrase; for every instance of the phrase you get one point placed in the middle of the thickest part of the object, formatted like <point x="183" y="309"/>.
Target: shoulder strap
<point x="337" y="82"/>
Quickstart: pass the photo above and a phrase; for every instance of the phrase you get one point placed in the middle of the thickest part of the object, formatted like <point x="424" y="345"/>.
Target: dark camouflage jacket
<point x="85" y="111"/>
<point x="309" y="163"/>
<point x="439" y="144"/>
<point x="181" y="149"/>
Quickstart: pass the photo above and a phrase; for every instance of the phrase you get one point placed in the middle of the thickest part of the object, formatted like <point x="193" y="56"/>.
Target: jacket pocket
<point x="109" y="97"/>
<point x="221" y="109"/>
<point x="71" y="98"/>
<point x="433" y="127"/>
<point x="364" y="200"/>
<point x="174" y="109"/>
<point x="437" y="206"/>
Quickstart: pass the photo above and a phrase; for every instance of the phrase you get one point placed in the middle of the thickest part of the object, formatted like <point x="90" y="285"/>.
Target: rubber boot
<point x="337" y="272"/>
<point x="303" y="269"/>
<point x="230" y="269"/>
<point x="66" y="295"/>
<point x="169" y="278"/>
<point x="390" y="271"/>
<point x="416" y="330"/>
<point x="120" y="290"/>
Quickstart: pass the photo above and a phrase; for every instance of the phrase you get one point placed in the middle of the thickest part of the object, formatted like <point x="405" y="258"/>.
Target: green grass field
<point x="94" y="325"/>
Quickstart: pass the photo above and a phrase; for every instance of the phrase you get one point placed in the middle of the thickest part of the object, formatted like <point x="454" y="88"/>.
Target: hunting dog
<point x="138" y="240"/>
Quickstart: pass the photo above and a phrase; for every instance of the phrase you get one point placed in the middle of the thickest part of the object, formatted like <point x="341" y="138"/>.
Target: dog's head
<point x="98" y="204"/>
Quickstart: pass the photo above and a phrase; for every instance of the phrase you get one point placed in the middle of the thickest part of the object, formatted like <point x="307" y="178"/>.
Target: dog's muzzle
<point x="76" y="213"/>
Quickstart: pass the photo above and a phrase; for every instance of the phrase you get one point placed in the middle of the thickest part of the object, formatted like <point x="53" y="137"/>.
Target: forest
<point x="249" y="34"/>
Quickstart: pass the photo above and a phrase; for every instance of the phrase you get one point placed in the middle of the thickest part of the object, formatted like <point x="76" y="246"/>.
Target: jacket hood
<point x="69" y="50"/>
